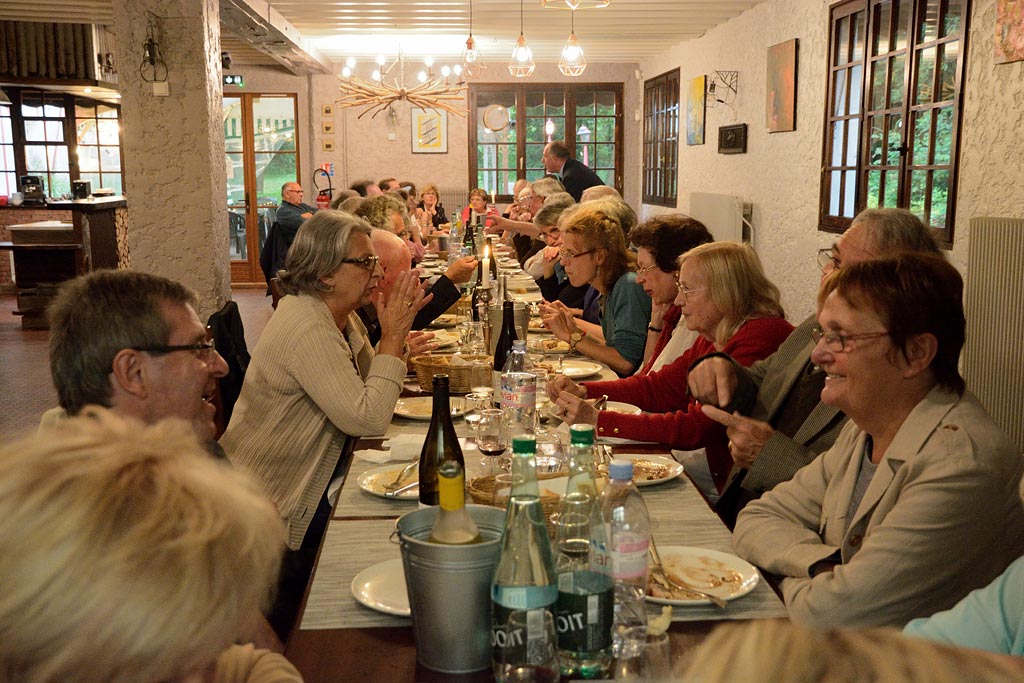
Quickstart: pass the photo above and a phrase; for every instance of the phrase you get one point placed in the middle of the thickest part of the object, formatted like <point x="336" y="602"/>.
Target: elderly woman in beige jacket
<point x="916" y="503"/>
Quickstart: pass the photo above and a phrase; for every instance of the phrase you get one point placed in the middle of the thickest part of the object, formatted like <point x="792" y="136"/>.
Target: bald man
<point x="394" y="260"/>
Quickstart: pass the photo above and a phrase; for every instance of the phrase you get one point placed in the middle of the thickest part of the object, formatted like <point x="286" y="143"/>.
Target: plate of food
<point x="649" y="470"/>
<point x="720" y="574"/>
<point x="420" y="407"/>
<point x="536" y="325"/>
<point x="445" y="320"/>
<point x="445" y="339"/>
<point x="622" y="407"/>
<point x="547" y="344"/>
<point x="374" y="481"/>
<point x="382" y="587"/>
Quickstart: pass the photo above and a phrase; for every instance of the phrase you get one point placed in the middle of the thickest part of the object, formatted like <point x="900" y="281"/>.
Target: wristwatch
<point x="575" y="338"/>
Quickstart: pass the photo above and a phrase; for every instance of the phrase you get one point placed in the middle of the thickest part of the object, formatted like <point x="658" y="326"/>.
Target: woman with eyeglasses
<point x="725" y="297"/>
<point x="916" y="502"/>
<point x="315" y="381"/>
<point x="594" y="253"/>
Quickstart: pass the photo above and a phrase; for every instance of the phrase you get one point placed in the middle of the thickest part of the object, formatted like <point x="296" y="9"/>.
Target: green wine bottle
<point x="441" y="444"/>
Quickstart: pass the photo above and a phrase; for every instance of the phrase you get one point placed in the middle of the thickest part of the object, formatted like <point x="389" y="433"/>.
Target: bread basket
<point x="459" y="376"/>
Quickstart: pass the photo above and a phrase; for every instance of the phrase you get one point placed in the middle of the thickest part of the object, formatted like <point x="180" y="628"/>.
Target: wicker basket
<point x="481" y="490"/>
<point x="459" y="376"/>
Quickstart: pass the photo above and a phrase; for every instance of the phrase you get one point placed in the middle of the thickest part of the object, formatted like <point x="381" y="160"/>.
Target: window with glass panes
<point x="99" y="144"/>
<point x="661" y="139"/>
<point x="896" y="71"/>
<point x="512" y="124"/>
<point x="46" y="147"/>
<point x="8" y="174"/>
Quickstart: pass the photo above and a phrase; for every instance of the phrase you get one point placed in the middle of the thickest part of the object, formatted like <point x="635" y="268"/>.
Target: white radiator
<point x="452" y="198"/>
<point x="722" y="215"/>
<point x="994" y="304"/>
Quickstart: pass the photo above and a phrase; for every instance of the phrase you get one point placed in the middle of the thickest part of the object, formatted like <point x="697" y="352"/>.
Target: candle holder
<point x="482" y="296"/>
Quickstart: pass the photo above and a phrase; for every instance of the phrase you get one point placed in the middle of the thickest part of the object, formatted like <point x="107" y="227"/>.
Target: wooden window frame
<point x="661" y="139"/>
<point x="906" y="111"/>
<point x="520" y="90"/>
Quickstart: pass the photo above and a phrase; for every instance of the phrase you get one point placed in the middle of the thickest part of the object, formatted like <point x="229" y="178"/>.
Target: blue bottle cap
<point x="621" y="470"/>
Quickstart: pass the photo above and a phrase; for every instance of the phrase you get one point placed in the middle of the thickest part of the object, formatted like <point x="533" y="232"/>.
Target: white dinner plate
<point x="546" y="344"/>
<point x="651" y="470"/>
<point x="621" y="407"/>
<point x="721" y="574"/>
<point x="420" y="407"/>
<point x="578" y="369"/>
<point x="382" y="587"/>
<point x="373" y="481"/>
<point x="445" y="339"/>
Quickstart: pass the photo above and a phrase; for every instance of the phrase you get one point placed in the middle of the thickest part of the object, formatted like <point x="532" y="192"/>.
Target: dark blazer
<point x="445" y="294"/>
<point x="577" y="177"/>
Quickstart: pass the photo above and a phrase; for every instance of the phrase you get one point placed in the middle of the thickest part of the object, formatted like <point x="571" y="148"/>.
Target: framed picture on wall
<point x="780" y="107"/>
<point x="429" y="131"/>
<point x="732" y="139"/>
<point x="695" y="102"/>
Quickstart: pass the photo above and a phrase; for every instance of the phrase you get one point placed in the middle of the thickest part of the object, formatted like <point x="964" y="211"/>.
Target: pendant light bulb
<point x="522" y="64"/>
<point x="572" y="61"/>
<point x="471" y="61"/>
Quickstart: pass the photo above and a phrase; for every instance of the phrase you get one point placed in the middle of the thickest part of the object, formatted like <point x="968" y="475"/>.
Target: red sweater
<point x="670" y="415"/>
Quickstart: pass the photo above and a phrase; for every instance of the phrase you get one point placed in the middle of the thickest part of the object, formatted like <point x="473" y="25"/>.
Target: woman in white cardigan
<point x="314" y="380"/>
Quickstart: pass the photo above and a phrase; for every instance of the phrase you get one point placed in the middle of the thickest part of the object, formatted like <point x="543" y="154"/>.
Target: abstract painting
<point x="1009" y="31"/>
<point x="780" y="103"/>
<point x="429" y="131"/>
<point x="695" y="101"/>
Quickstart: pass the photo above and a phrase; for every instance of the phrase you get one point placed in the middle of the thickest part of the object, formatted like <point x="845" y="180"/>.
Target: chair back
<point x="229" y="336"/>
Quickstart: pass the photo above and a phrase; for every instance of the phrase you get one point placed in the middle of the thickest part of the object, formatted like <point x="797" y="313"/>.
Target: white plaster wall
<point x="780" y="172"/>
<point x="174" y="147"/>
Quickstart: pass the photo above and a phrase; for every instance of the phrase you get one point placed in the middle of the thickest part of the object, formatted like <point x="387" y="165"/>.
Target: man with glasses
<point x="132" y="342"/>
<point x="293" y="212"/>
<point x="772" y="410"/>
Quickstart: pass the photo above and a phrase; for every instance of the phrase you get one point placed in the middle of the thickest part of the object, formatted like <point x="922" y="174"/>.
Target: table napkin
<point x="401" y="447"/>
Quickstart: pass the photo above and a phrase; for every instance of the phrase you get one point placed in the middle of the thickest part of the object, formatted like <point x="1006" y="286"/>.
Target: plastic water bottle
<point x="519" y="391"/>
<point x="628" y="528"/>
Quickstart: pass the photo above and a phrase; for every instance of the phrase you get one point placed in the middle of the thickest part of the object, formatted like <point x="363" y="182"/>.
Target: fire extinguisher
<point x="324" y="196"/>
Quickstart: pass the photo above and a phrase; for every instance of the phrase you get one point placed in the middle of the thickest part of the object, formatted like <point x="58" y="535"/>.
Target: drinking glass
<point x="491" y="436"/>
<point x="550" y="456"/>
<point x="644" y="656"/>
<point x="471" y="338"/>
<point x="481" y="379"/>
<point x="475" y="403"/>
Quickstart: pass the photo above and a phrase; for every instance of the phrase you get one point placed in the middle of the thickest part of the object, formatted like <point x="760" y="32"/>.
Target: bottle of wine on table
<point x="441" y="444"/>
<point x="454" y="526"/>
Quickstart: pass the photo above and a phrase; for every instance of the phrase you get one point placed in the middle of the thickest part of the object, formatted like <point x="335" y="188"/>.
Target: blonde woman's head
<point x="128" y="554"/>
<point x="737" y="284"/>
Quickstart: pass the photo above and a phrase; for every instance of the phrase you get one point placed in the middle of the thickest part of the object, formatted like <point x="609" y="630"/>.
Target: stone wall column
<point x="173" y="159"/>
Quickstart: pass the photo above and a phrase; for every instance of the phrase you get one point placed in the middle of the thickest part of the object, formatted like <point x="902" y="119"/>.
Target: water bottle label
<point x="524" y="597"/>
<point x="523" y="637"/>
<point x="584" y="622"/>
<point x="517" y="394"/>
<point x="629" y="560"/>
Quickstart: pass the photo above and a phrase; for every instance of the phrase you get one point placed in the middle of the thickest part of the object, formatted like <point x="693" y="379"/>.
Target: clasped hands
<point x="568" y="401"/>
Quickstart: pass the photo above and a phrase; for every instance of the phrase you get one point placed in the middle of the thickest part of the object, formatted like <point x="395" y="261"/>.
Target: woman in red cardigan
<point x="726" y="298"/>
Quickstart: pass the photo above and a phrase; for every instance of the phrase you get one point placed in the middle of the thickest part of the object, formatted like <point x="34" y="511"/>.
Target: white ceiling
<point x="625" y="31"/>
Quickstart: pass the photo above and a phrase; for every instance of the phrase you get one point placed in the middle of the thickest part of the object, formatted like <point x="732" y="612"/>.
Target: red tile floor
<point x="26" y="390"/>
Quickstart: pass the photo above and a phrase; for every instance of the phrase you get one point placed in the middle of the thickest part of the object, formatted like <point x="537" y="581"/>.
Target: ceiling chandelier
<point x="380" y="93"/>
<point x="575" y="4"/>
<point x="471" y="62"/>
<point x="522" y="64"/>
<point x="572" y="61"/>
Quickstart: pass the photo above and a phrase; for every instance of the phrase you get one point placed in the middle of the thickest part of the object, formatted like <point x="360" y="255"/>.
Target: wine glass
<point x="550" y="455"/>
<point x="491" y="436"/>
<point x="645" y="656"/>
<point x="471" y="336"/>
<point x="475" y="403"/>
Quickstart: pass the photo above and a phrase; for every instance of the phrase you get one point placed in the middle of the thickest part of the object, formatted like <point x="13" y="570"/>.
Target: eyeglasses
<point x="687" y="292"/>
<point x="525" y="199"/>
<point x="365" y="262"/>
<point x="644" y="271"/>
<point x="828" y="260"/>
<point x="837" y="342"/>
<point x="205" y="351"/>
<point x="569" y="254"/>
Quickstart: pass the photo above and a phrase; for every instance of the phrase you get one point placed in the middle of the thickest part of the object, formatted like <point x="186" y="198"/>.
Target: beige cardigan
<point x="308" y="388"/>
<point x="941" y="517"/>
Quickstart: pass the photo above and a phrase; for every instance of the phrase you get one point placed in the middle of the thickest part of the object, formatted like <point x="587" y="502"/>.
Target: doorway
<point x="261" y="154"/>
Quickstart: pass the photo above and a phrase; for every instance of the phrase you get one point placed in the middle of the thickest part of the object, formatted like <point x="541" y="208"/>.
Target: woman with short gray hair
<point x="315" y="381"/>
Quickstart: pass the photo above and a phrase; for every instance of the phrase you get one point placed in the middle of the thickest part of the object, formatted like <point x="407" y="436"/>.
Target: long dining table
<point x="338" y="639"/>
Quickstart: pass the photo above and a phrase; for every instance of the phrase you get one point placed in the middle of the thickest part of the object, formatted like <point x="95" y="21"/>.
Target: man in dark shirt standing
<point x="575" y="176"/>
<point x="293" y="212"/>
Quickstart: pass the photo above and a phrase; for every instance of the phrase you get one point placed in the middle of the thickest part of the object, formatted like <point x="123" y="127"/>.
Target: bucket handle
<point x="395" y="532"/>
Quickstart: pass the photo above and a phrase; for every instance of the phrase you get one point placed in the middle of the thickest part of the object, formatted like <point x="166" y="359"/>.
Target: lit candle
<point x="492" y="198"/>
<point x="486" y="267"/>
